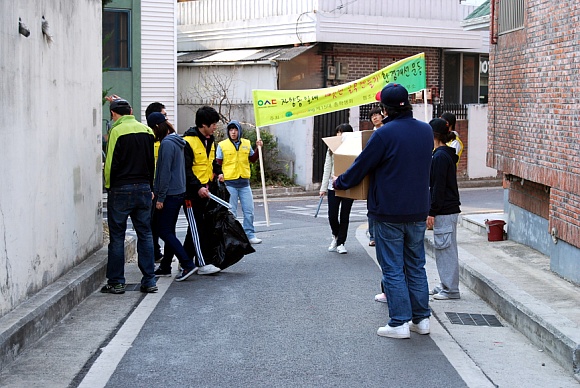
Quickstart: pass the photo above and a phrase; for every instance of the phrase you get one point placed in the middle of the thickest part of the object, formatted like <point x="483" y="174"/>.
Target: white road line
<point x="359" y="210"/>
<point x="112" y="354"/>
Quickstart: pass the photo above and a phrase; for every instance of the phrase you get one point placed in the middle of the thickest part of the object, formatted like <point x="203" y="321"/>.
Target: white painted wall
<point x="420" y="113"/>
<point x="477" y="143"/>
<point x="227" y="24"/>
<point x="50" y="190"/>
<point x="201" y="85"/>
<point x="158" y="56"/>
<point x="295" y="144"/>
<point x="207" y="85"/>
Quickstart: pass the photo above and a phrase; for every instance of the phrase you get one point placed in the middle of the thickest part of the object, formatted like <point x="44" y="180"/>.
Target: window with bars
<point x="511" y="16"/>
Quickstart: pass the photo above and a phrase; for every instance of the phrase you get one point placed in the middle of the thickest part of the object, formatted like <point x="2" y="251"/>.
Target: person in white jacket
<point x="338" y="207"/>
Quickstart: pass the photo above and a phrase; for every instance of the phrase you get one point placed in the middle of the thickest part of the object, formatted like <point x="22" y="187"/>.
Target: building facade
<point x="139" y="54"/>
<point x="343" y="42"/>
<point x="534" y="115"/>
<point x="51" y="193"/>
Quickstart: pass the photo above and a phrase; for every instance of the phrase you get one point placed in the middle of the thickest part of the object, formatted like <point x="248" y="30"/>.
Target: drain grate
<point x="132" y="286"/>
<point x="473" y="319"/>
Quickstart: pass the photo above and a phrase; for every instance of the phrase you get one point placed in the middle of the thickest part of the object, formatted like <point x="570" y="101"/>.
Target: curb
<point x="478" y="183"/>
<point x="299" y="191"/>
<point x="533" y="319"/>
<point x="32" y="319"/>
<point x="277" y="192"/>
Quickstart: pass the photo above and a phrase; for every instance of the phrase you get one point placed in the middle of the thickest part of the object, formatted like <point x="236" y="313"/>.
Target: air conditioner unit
<point x="419" y="95"/>
<point x="341" y="70"/>
<point x="331" y="73"/>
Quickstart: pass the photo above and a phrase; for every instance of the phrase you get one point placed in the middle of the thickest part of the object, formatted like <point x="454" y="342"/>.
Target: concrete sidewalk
<point x="517" y="282"/>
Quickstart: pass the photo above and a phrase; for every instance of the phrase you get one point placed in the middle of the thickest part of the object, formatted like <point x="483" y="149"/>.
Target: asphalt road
<point x="289" y="315"/>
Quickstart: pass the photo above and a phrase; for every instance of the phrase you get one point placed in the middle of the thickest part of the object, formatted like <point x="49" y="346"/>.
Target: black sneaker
<point x="185" y="274"/>
<point x="113" y="289"/>
<point x="163" y="272"/>
<point x="149" y="289"/>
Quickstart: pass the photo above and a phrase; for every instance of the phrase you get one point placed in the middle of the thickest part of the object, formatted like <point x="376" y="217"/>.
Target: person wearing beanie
<point x="397" y="158"/>
<point x="129" y="169"/>
<point x="152" y="108"/>
<point x="169" y="190"/>
<point x="444" y="212"/>
<point x="235" y="154"/>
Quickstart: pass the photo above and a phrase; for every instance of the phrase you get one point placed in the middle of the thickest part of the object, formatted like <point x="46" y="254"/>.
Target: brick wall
<point x="534" y="110"/>
<point x="531" y="196"/>
<point x="363" y="60"/>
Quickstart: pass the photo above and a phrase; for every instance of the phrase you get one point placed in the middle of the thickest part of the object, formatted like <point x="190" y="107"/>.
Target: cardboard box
<point x="345" y="149"/>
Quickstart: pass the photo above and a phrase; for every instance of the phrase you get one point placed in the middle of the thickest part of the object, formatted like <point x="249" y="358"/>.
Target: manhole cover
<point x="473" y="319"/>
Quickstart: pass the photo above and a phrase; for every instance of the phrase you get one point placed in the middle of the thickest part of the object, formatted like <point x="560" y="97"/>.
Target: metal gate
<point x="325" y="126"/>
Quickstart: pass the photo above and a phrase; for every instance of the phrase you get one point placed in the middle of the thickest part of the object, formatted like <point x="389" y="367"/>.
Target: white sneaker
<point x="255" y="240"/>
<point x="341" y="249"/>
<point x="395" y="332"/>
<point x="332" y="247"/>
<point x="442" y="296"/>
<point x="422" y="327"/>
<point x="381" y="298"/>
<point x="435" y="290"/>
<point x="208" y="269"/>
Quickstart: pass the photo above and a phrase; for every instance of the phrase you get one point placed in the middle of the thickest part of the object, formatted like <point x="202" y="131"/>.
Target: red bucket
<point x="494" y="230"/>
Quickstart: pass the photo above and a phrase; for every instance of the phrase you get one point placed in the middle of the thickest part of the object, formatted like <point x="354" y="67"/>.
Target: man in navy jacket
<point x="397" y="159"/>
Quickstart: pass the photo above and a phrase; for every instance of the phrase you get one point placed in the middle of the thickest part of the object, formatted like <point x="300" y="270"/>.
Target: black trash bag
<point x="212" y="208"/>
<point x="229" y="239"/>
<point x="219" y="189"/>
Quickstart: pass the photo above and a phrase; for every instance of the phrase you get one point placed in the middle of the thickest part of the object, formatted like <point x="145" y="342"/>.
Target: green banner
<point x="278" y="106"/>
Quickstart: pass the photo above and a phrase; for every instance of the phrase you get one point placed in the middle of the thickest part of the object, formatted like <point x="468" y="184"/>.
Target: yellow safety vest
<point x="235" y="163"/>
<point x="202" y="164"/>
<point x="156" y="150"/>
<point x="460" y="151"/>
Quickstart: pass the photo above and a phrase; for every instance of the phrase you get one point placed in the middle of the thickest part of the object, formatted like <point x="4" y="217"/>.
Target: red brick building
<point x="534" y="120"/>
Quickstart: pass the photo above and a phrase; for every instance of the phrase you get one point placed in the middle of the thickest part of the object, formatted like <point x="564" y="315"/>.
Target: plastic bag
<point x="229" y="241"/>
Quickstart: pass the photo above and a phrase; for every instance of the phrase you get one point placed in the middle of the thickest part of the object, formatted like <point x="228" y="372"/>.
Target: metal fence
<point x="459" y="110"/>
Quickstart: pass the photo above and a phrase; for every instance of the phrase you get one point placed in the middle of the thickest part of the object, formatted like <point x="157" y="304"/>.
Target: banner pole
<point x="425" y="100"/>
<point x="263" y="177"/>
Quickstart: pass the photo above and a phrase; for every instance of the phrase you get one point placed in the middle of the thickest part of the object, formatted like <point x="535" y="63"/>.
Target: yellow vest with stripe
<point x="202" y="164"/>
<point x="235" y="163"/>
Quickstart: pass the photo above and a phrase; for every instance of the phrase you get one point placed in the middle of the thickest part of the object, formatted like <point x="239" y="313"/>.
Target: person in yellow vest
<point x="200" y="166"/>
<point x="235" y="155"/>
<point x="454" y="142"/>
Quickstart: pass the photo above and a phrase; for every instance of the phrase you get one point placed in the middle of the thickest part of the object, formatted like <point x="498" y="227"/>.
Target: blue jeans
<point x="371" y="229"/>
<point x="401" y="255"/>
<point x="244" y="194"/>
<point x="122" y="202"/>
<point x="166" y="221"/>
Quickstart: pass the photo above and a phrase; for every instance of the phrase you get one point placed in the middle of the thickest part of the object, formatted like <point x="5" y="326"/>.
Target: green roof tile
<point x="482" y="10"/>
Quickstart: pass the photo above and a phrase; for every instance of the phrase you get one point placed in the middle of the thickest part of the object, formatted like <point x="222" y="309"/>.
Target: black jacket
<point x="192" y="182"/>
<point x="443" y="182"/>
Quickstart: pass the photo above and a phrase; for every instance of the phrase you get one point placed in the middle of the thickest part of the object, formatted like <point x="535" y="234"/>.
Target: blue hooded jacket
<point x="397" y="158"/>
<point x="170" y="170"/>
